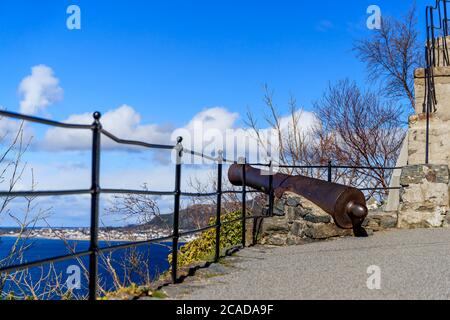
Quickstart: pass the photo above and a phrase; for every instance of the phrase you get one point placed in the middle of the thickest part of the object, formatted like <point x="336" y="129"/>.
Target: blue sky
<point x="170" y="60"/>
<point x="163" y="57"/>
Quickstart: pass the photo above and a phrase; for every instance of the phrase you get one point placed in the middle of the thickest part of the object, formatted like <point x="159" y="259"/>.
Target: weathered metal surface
<point x="347" y="205"/>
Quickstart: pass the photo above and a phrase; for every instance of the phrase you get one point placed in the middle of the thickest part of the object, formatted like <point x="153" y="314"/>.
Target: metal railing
<point x="436" y="55"/>
<point x="95" y="191"/>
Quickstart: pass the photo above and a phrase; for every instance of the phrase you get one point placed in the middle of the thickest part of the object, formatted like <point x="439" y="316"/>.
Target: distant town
<point x="191" y="218"/>
<point x="127" y="234"/>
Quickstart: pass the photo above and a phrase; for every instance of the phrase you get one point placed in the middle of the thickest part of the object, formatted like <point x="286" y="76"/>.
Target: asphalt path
<point x="405" y="264"/>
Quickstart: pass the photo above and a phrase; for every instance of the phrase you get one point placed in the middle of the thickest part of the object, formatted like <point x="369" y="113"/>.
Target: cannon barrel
<point x="347" y="205"/>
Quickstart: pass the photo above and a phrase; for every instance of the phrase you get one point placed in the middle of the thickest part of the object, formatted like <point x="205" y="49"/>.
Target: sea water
<point x="154" y="256"/>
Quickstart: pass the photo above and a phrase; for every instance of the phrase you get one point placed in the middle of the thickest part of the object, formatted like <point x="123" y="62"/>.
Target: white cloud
<point x="207" y="132"/>
<point x="124" y="122"/>
<point x="214" y="118"/>
<point x="215" y="129"/>
<point x="39" y="90"/>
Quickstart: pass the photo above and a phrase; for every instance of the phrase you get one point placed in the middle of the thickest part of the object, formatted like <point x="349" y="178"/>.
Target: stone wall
<point x="299" y="221"/>
<point x="424" y="203"/>
<point x="424" y="199"/>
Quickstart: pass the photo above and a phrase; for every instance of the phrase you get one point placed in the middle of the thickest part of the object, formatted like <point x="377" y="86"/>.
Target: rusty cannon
<point x="347" y="205"/>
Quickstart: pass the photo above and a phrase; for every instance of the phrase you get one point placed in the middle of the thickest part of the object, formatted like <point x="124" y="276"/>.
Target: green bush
<point x="203" y="248"/>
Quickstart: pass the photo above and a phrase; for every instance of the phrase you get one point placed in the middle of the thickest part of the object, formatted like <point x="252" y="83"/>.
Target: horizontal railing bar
<point x="232" y="221"/>
<point x="136" y="143"/>
<point x="201" y="155"/>
<point x="367" y="168"/>
<point x="240" y="220"/>
<point x="134" y="244"/>
<point x="52" y="123"/>
<point x="230" y="161"/>
<point x="240" y="192"/>
<point x="215" y="226"/>
<point x="38" y="263"/>
<point x="301" y="167"/>
<point x="232" y="192"/>
<point x="138" y="192"/>
<point x="43" y="193"/>
<point x="189" y="194"/>
<point x="323" y="167"/>
<point x="259" y="164"/>
<point x="187" y="233"/>
<point x="79" y="255"/>
<point x="375" y="189"/>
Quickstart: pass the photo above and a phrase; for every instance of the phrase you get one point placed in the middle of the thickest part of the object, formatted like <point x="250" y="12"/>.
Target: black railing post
<point x="429" y="81"/>
<point x="176" y="212"/>
<point x="271" y="191"/>
<point x="427" y="135"/>
<point x="219" y="204"/>
<point x="95" y="199"/>
<point x="330" y="171"/>
<point x="244" y="201"/>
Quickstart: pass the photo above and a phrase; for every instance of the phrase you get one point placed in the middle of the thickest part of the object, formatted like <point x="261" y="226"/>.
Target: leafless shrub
<point x="27" y="217"/>
<point x="392" y="54"/>
<point x="359" y="129"/>
<point x="351" y="128"/>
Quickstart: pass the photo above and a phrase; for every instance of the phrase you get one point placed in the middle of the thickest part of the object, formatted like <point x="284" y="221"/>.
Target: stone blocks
<point x="301" y="222"/>
<point x="424" y="199"/>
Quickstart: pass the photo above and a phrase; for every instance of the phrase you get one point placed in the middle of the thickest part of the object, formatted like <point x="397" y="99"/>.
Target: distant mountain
<point x="196" y="216"/>
<point x="193" y="217"/>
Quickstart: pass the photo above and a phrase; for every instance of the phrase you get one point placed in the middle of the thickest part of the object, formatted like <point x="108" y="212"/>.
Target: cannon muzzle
<point x="347" y="205"/>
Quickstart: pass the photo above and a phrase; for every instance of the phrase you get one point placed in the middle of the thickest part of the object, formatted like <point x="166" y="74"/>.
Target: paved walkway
<point x="415" y="264"/>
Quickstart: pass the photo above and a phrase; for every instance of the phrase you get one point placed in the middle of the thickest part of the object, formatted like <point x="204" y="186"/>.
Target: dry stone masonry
<point x="298" y="221"/>
<point x="424" y="203"/>
<point x="424" y="199"/>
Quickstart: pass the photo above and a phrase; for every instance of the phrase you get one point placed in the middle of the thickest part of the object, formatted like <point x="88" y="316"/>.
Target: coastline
<point x="59" y="239"/>
<point x="86" y="239"/>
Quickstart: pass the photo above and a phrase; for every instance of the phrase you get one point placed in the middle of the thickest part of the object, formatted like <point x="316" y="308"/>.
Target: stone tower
<point x="424" y="197"/>
<point x="439" y="134"/>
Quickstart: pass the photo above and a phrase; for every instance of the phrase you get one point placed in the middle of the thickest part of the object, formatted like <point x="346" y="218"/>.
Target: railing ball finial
<point x="97" y="115"/>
